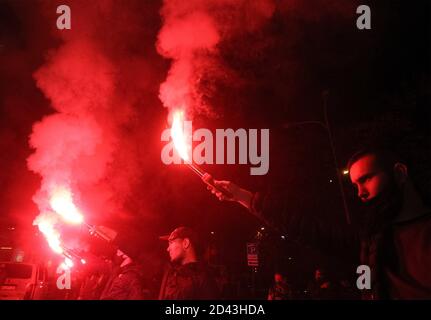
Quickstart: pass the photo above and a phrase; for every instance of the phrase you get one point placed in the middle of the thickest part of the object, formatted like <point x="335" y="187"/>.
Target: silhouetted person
<point x="280" y="290"/>
<point x="321" y="288"/>
<point x="125" y="282"/>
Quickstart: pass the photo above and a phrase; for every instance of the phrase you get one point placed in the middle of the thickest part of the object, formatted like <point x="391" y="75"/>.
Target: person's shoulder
<point x="133" y="270"/>
<point x="427" y="217"/>
<point x="426" y="225"/>
<point x="200" y="266"/>
<point x="204" y="270"/>
<point x="423" y="221"/>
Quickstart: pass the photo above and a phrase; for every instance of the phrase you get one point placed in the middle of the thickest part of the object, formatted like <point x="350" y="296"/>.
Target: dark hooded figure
<point x="125" y="282"/>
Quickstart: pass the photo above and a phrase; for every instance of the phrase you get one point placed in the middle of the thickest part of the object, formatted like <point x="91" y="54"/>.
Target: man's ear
<point x="401" y="173"/>
<point x="186" y="243"/>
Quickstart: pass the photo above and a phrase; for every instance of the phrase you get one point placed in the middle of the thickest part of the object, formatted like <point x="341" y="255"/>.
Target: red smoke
<point x="96" y="81"/>
<point x="192" y="31"/>
<point x="101" y="80"/>
<point x="190" y="35"/>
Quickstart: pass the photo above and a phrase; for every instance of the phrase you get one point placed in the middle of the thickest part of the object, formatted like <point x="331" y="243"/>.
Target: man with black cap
<point x="187" y="278"/>
<point x="125" y="282"/>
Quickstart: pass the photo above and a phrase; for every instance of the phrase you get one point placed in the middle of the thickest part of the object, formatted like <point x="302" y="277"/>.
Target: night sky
<point x="267" y="70"/>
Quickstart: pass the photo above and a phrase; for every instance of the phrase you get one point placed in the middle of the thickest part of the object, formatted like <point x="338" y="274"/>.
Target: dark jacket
<point x="398" y="257"/>
<point x="322" y="290"/>
<point x="192" y="281"/>
<point x="124" y="284"/>
<point x="400" y="260"/>
<point x="280" y="291"/>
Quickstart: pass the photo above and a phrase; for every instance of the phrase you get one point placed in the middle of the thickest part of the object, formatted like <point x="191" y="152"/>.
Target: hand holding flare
<point x="221" y="188"/>
<point x="182" y="148"/>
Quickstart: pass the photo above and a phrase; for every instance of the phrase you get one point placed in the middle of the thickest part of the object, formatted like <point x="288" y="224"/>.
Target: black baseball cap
<point x="181" y="233"/>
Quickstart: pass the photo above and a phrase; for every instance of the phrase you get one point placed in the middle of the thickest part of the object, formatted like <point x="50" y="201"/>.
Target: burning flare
<point x="63" y="208"/>
<point x="66" y="264"/>
<point x="184" y="150"/>
<point x="61" y="202"/>
<point x="46" y="223"/>
<point x="178" y="136"/>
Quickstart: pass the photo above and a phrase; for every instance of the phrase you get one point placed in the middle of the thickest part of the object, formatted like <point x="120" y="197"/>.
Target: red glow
<point x="63" y="207"/>
<point x="46" y="224"/>
<point x="66" y="264"/>
<point x="62" y="203"/>
<point x="178" y="135"/>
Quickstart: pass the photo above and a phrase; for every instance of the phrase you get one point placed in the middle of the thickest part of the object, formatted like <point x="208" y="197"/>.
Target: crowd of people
<point x="394" y="237"/>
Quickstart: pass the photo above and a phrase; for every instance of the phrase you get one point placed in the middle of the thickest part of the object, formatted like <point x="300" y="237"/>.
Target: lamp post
<point x="326" y="126"/>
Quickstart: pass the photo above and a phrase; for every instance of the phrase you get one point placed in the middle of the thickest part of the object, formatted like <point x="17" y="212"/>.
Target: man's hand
<point x="215" y="186"/>
<point x="239" y="195"/>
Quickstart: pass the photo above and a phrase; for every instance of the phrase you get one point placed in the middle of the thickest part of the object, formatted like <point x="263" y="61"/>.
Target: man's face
<point x="278" y="278"/>
<point x="377" y="189"/>
<point x="317" y="275"/>
<point x="119" y="257"/>
<point x="176" y="250"/>
<point x="368" y="178"/>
